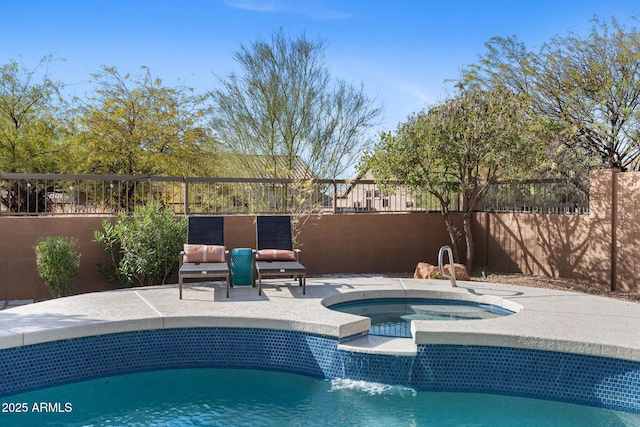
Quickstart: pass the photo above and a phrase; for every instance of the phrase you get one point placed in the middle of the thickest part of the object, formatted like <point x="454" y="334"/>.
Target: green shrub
<point x="142" y="248"/>
<point x="58" y="263"/>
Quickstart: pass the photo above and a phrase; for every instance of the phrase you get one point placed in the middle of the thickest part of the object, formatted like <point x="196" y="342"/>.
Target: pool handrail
<point x="452" y="269"/>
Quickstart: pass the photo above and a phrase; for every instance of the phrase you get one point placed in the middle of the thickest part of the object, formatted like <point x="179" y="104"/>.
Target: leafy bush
<point x="58" y="263"/>
<point x="143" y="248"/>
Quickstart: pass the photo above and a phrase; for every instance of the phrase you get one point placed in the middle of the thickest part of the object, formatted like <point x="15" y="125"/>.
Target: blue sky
<point x="401" y="50"/>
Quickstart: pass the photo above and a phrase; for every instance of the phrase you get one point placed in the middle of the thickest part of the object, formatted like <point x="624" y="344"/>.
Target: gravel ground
<point x="544" y="282"/>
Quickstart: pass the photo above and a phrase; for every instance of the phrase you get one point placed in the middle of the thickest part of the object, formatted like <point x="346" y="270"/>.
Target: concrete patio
<point x="545" y="319"/>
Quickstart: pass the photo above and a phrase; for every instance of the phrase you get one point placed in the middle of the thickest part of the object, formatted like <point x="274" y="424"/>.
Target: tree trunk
<point x="468" y="237"/>
<point x="470" y="199"/>
<point x="452" y="234"/>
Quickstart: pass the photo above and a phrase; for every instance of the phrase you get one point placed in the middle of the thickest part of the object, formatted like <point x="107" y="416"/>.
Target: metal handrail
<point x="450" y="276"/>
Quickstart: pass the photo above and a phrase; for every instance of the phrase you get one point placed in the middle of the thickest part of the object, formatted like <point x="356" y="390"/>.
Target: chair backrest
<point x="273" y="232"/>
<point x="205" y="230"/>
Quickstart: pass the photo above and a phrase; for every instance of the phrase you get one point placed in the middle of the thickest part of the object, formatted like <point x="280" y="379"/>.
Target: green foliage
<point x="459" y="147"/>
<point x="285" y="106"/>
<point x="586" y="87"/>
<point x="464" y="144"/>
<point x="58" y="263"/>
<point x="143" y="248"/>
<point x="135" y="125"/>
<point x="30" y="129"/>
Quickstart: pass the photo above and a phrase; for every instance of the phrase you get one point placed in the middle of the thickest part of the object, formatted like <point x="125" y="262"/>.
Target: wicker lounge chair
<point x="275" y="255"/>
<point x="205" y="255"/>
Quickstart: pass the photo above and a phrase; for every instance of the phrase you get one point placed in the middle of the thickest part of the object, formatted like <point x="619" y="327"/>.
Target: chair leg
<point x="228" y="284"/>
<point x="254" y="275"/>
<point x="180" y="285"/>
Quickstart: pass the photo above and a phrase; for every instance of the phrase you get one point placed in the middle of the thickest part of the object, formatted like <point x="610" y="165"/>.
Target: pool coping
<point x="548" y="320"/>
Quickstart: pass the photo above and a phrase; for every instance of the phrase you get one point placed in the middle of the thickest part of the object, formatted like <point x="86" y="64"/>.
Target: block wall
<point x="18" y="237"/>
<point x="601" y="247"/>
<point x="359" y="243"/>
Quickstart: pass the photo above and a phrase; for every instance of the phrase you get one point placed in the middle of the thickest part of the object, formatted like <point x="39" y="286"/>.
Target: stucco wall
<point x="600" y="247"/>
<point x="626" y="200"/>
<point x="372" y="243"/>
<point x="548" y="245"/>
<point x="359" y="243"/>
<point x="572" y="246"/>
<point x="18" y="236"/>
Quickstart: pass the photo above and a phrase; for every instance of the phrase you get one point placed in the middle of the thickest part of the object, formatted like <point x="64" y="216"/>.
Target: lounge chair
<point x="204" y="255"/>
<point x="275" y="255"/>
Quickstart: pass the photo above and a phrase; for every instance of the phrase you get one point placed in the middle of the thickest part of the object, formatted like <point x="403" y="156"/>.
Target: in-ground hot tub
<point x="391" y="317"/>
<point x="560" y="346"/>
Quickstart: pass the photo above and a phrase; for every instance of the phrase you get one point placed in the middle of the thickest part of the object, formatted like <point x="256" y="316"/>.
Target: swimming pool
<point x="391" y="317"/>
<point x="572" y="378"/>
<point x="550" y="350"/>
<point x="226" y="397"/>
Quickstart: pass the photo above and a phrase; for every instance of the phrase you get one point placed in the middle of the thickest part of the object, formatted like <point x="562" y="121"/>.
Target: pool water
<point x="232" y="397"/>
<point x="391" y="317"/>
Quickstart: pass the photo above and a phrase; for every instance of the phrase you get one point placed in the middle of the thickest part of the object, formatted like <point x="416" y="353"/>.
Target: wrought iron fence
<point x="62" y="194"/>
<point x="551" y="196"/>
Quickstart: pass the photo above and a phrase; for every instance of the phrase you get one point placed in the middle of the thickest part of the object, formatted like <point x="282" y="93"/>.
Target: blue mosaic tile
<point x="550" y="375"/>
<point x="589" y="380"/>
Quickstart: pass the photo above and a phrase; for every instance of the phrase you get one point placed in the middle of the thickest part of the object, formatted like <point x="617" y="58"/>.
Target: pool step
<point x="381" y="345"/>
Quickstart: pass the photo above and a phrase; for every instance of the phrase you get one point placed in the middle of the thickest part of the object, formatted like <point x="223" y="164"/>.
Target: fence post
<point x="150" y="190"/>
<point x="185" y="183"/>
<point x="335" y="196"/>
<point x="614" y="228"/>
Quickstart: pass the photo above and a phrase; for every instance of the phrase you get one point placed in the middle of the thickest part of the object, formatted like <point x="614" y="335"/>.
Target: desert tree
<point x="32" y="131"/>
<point x="588" y="87"/>
<point x="284" y="105"/>
<point x="284" y="116"/>
<point x="457" y="148"/>
<point x="136" y="125"/>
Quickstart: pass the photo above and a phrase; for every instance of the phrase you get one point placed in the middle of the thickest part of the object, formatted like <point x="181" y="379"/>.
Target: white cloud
<point x="417" y="96"/>
<point x="312" y="9"/>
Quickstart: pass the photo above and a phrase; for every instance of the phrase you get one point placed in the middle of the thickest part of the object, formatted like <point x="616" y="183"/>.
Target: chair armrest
<point x="182" y="254"/>
<point x="297" y="251"/>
